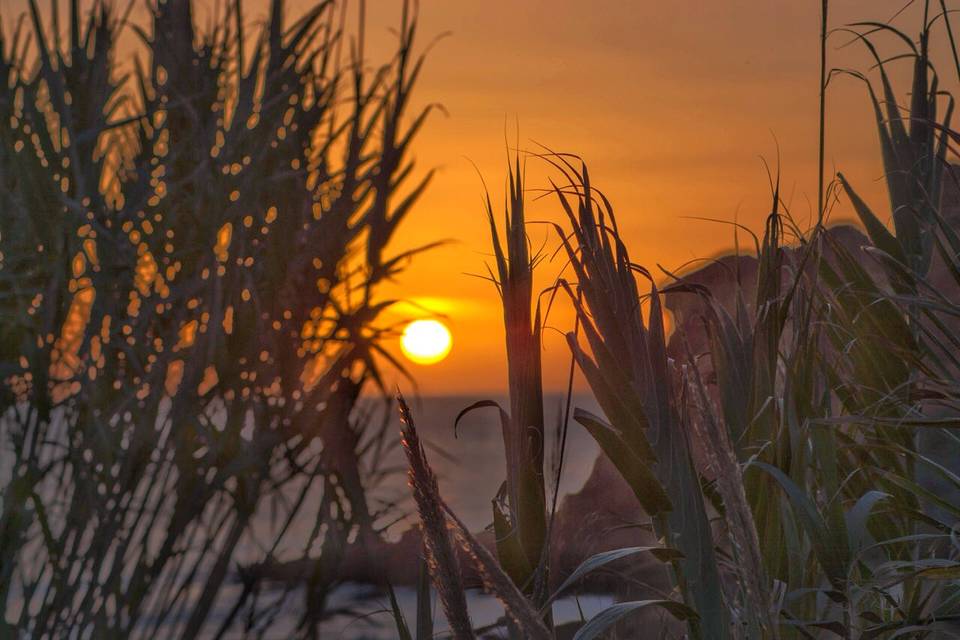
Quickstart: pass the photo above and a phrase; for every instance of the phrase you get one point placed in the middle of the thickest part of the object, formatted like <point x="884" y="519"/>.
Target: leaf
<point x="480" y="404"/>
<point x="636" y="471"/>
<point x="613" y="614"/>
<point x="857" y="518"/>
<point x="951" y="572"/>
<point x="833" y="557"/>
<point x="833" y="626"/>
<point x="403" y="632"/>
<point x="509" y="551"/>
<point x="878" y="232"/>
<point x="602" y="559"/>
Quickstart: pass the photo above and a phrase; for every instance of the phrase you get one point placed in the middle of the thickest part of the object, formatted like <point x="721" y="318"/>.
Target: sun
<point x="426" y="341"/>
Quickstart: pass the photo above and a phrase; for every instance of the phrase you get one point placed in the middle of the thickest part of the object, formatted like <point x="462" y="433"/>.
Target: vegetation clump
<point x="779" y="439"/>
<point x="190" y="259"/>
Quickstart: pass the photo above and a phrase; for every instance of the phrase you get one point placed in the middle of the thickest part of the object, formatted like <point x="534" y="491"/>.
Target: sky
<point x="674" y="106"/>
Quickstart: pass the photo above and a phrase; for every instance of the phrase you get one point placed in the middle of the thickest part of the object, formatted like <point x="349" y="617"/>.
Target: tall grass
<point x="781" y="463"/>
<point x="191" y="246"/>
<point x="520" y="517"/>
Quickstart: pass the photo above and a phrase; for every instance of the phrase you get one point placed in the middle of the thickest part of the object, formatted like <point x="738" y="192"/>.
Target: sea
<point x="470" y="466"/>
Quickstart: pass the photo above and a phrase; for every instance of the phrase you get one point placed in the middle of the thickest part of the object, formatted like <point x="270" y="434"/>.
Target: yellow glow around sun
<point x="426" y="341"/>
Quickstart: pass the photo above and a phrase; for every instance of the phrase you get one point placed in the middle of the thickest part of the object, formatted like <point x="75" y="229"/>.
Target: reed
<point x="443" y="563"/>
<point x="442" y="560"/>
<point x="781" y="461"/>
<point x="520" y="514"/>
<point x="629" y="372"/>
<point x="183" y="319"/>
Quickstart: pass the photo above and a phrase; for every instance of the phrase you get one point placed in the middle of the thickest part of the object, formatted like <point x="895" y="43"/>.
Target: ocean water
<point x="485" y="610"/>
<point x="470" y="468"/>
<point x="470" y="464"/>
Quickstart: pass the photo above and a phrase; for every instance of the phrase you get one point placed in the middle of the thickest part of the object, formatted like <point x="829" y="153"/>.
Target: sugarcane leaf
<point x="600" y="560"/>
<point x="831" y="553"/>
<point x="635" y="471"/>
<point x="857" y="518"/>
<point x="403" y="631"/>
<point x="878" y="232"/>
<point x="510" y="551"/>
<point x="597" y="625"/>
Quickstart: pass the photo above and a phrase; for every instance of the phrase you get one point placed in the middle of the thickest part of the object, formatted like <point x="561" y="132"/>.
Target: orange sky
<point x="671" y="103"/>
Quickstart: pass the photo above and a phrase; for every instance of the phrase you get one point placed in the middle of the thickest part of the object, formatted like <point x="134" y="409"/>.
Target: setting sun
<point x="426" y="341"/>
